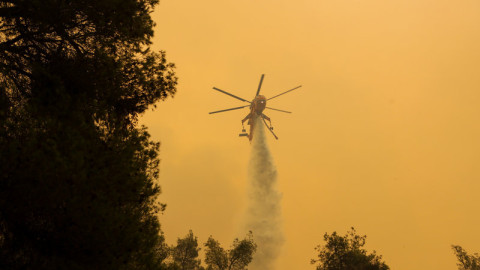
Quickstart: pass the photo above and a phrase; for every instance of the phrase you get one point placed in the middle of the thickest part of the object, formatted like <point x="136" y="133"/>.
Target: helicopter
<point x="257" y="106"/>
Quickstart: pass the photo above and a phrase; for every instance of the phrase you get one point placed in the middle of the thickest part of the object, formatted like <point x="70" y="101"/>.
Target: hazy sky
<point x="384" y="136"/>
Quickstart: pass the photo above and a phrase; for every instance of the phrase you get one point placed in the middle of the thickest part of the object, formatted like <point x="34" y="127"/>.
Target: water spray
<point x="264" y="212"/>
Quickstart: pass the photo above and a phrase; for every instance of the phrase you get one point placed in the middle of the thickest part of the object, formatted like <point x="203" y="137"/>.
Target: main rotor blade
<point x="285" y="92"/>
<point x="260" y="85"/>
<point x="269" y="128"/>
<point x="277" y="110"/>
<point x="226" y="93"/>
<point x="231" y="109"/>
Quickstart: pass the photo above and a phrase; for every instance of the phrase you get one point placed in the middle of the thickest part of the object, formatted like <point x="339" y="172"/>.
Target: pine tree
<point x="78" y="176"/>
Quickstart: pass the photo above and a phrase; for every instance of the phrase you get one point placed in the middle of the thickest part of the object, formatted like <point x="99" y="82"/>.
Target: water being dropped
<point x="264" y="212"/>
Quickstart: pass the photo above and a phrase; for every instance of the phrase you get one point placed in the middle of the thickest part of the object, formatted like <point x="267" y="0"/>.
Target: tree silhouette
<point x="237" y="258"/>
<point x="466" y="261"/>
<point x="347" y="253"/>
<point x="184" y="256"/>
<point x="77" y="176"/>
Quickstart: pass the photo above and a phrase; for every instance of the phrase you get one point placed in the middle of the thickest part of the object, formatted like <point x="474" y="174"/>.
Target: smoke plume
<point x="264" y="213"/>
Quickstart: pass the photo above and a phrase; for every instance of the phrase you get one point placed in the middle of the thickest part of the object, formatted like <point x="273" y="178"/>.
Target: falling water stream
<point x="264" y="212"/>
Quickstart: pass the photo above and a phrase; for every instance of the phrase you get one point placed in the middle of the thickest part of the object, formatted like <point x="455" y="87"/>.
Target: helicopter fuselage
<point x="258" y="104"/>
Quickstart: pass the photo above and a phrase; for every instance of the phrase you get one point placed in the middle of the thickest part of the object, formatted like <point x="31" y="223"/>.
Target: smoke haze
<point x="264" y="213"/>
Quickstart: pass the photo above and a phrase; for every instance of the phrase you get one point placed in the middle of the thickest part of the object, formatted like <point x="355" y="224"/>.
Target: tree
<point x="237" y="258"/>
<point x="466" y="261"/>
<point x="185" y="253"/>
<point x="99" y="51"/>
<point x="346" y="253"/>
<point x="78" y="178"/>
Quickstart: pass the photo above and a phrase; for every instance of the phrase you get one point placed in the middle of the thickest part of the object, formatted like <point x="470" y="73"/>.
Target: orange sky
<point x="384" y="136"/>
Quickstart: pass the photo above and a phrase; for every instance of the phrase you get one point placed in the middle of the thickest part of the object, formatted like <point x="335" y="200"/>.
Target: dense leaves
<point x="465" y="260"/>
<point x="77" y="176"/>
<point x="69" y="199"/>
<point x="184" y="256"/>
<point x="347" y="253"/>
<point x="237" y="258"/>
<point x="102" y="45"/>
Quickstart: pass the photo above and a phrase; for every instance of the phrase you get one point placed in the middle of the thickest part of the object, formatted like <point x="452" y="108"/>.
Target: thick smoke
<point x="264" y="213"/>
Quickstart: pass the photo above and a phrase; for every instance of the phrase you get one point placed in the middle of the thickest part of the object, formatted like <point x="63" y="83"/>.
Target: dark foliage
<point x="237" y="258"/>
<point x="465" y="260"/>
<point x="97" y="49"/>
<point x="184" y="256"/>
<point x="347" y="253"/>
<point x="77" y="177"/>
